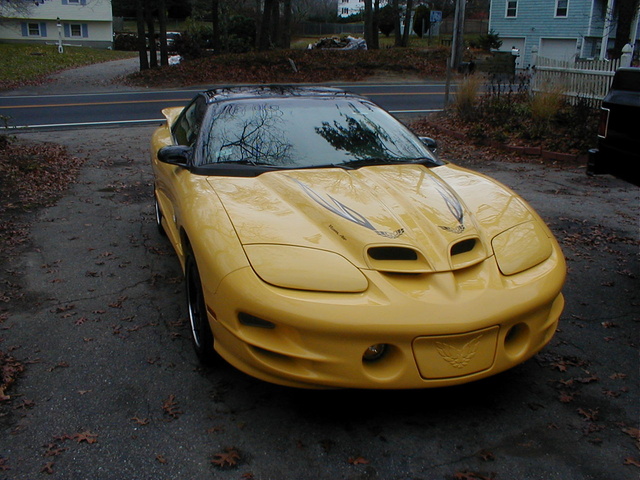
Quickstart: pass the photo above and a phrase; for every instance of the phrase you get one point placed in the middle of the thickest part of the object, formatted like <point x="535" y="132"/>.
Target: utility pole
<point x="457" y="44"/>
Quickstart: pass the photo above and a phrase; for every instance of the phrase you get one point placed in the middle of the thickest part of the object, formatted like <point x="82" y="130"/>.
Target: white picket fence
<point x="581" y="80"/>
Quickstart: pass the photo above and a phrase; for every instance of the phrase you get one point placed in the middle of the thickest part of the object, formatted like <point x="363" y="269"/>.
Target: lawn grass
<point x="26" y="64"/>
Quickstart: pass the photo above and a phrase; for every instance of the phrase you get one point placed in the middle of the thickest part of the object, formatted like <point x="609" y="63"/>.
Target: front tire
<point x="201" y="335"/>
<point x="158" y="215"/>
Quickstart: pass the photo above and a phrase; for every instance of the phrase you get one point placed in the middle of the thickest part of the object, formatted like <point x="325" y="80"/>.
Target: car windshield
<point x="307" y="132"/>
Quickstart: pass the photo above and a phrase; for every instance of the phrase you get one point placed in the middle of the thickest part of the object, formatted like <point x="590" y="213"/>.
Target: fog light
<point x="374" y="352"/>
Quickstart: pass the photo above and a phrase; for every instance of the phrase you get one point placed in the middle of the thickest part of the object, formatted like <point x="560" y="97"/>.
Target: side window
<point x="186" y="128"/>
<point x="512" y="9"/>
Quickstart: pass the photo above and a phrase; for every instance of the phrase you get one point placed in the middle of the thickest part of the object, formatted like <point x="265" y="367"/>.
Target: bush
<point x="490" y="41"/>
<point x="545" y="106"/>
<point x="422" y="13"/>
<point x="127" y="42"/>
<point x="466" y="97"/>
<point x="386" y="20"/>
<point x="242" y="34"/>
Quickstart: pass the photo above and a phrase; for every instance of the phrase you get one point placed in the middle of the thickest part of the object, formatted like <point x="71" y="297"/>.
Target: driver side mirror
<point x="179" y="155"/>
<point x="430" y="143"/>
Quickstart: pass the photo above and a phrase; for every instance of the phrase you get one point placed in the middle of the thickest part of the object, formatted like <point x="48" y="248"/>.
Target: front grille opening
<point x="393" y="253"/>
<point x="463" y="247"/>
<point x="252" y="321"/>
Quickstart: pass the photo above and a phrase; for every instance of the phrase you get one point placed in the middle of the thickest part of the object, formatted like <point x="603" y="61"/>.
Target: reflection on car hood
<point x="349" y="211"/>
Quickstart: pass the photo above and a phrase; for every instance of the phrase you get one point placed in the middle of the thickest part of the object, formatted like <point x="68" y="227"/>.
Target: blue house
<point x="558" y="29"/>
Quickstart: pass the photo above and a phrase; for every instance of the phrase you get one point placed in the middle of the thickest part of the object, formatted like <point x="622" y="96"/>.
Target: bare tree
<point x="142" y="44"/>
<point x="627" y="14"/>
<point x="407" y="24"/>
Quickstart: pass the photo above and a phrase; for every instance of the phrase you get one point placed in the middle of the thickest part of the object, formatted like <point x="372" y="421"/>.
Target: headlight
<point x="521" y="247"/>
<point x="304" y="268"/>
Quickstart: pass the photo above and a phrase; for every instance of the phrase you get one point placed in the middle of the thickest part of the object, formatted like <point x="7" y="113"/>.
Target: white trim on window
<point x="562" y="9"/>
<point x="511" y="9"/>
<point x="75" y="30"/>
<point x="33" y="29"/>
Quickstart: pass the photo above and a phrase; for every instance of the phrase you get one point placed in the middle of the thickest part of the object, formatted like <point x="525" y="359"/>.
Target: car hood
<point x="376" y="217"/>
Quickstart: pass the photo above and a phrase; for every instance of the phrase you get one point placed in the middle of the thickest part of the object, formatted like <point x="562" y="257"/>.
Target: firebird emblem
<point x="459" y="357"/>
<point x="342" y="210"/>
<point x="454" y="206"/>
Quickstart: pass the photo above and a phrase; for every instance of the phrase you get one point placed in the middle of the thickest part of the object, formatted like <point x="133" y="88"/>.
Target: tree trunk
<point x="375" y="31"/>
<point x="285" y="41"/>
<point x="275" y="32"/>
<point x="397" y="32"/>
<point x="162" y="25"/>
<point x="142" y="44"/>
<point x="265" y="26"/>
<point x="407" y="24"/>
<point x="627" y="11"/>
<point x="215" y="25"/>
<point x="153" y="53"/>
<point x="368" y="23"/>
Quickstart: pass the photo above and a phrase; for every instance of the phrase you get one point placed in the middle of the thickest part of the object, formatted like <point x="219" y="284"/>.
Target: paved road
<point x="144" y="106"/>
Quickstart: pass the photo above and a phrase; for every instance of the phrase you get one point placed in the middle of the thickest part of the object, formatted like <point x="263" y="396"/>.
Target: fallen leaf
<point x="171" y="408"/>
<point x="591" y="414"/>
<point x="161" y="459"/>
<point x="87" y="436"/>
<point x="487" y="456"/>
<point x="358" y="461"/>
<point x="631" y="461"/>
<point x="632" y="432"/>
<point x="48" y="468"/>
<point x="228" y="458"/>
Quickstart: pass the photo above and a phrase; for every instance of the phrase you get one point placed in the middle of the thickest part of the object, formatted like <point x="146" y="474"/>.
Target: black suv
<point x="618" y="151"/>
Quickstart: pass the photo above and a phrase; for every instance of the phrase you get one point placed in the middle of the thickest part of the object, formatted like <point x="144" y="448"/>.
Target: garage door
<point x="558" y="48"/>
<point x="508" y="43"/>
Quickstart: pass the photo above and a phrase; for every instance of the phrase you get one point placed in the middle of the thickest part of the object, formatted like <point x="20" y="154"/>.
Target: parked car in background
<point x="171" y="41"/>
<point x="618" y="151"/>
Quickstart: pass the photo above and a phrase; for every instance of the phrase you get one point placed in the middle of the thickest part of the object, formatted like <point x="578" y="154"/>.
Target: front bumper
<point x="440" y="329"/>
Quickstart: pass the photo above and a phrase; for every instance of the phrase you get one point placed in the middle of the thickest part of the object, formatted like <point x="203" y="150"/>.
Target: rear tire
<point x="201" y="335"/>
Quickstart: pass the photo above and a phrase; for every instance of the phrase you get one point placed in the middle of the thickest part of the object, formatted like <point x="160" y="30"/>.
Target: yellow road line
<point x="165" y="100"/>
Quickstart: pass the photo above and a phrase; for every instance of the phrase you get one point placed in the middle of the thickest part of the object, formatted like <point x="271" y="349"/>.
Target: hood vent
<point x="397" y="259"/>
<point x="392" y="253"/>
<point x="466" y="252"/>
<point x="463" y="247"/>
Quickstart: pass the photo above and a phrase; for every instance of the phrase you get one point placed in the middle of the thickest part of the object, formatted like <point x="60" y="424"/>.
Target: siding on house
<point x="537" y="28"/>
<point x="85" y="23"/>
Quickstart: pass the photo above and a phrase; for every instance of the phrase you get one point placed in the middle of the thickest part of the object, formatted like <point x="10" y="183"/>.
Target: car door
<point x="173" y="183"/>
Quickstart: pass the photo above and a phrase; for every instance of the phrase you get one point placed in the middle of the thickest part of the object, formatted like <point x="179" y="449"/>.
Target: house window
<point x="562" y="8"/>
<point x="512" y="8"/>
<point x="73" y="1"/>
<point x="34" y="30"/>
<point x="345" y="11"/>
<point x="75" y="30"/>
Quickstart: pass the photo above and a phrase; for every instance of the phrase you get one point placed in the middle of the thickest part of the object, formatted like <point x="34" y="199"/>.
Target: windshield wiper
<point x="365" y="162"/>
<point x="247" y="162"/>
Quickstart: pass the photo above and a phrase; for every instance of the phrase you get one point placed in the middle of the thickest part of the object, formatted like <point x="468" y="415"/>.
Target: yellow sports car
<point x="324" y="245"/>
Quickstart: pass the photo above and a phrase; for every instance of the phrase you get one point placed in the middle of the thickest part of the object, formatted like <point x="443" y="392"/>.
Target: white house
<point x="87" y="23"/>
<point x="351" y="7"/>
